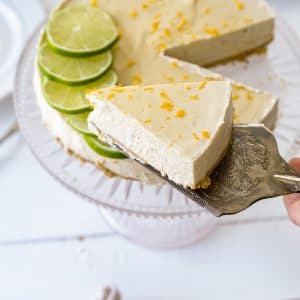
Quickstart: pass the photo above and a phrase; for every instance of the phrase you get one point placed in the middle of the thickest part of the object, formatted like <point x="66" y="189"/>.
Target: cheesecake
<point x="167" y="42"/>
<point x="202" y="32"/>
<point x="182" y="129"/>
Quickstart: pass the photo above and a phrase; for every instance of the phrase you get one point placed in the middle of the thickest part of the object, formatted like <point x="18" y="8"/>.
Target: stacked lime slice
<point x="74" y="56"/>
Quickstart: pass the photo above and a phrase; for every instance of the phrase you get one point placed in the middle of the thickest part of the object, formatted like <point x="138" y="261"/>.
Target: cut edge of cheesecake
<point x="187" y="160"/>
<point x="264" y="31"/>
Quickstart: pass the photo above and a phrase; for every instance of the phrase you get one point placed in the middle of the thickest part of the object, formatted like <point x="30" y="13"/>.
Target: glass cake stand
<point x="159" y="216"/>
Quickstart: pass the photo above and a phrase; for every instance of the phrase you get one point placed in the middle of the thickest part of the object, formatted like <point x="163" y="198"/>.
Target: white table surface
<point x="255" y="255"/>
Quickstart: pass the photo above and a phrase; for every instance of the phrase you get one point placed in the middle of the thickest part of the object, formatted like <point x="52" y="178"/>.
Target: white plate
<point x="18" y="19"/>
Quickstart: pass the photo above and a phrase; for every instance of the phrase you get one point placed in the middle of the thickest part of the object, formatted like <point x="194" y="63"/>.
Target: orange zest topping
<point x="239" y="5"/>
<point x="145" y="6"/>
<point x="225" y="25"/>
<point x="186" y="77"/>
<point x="194" y="97"/>
<point x="239" y="87"/>
<point x="161" y="47"/>
<point x="137" y="79"/>
<point x="167" y="32"/>
<point x="110" y="95"/>
<point x="167" y="106"/>
<point x="165" y="96"/>
<point x="147" y="121"/>
<point x="93" y="3"/>
<point x="235" y="97"/>
<point x="211" y="31"/>
<point x="196" y="137"/>
<point x="154" y="26"/>
<point x="205" y="134"/>
<point x="133" y="14"/>
<point x="206" y="10"/>
<point x="181" y="24"/>
<point x="131" y="63"/>
<point x="250" y="96"/>
<point x="148" y="89"/>
<point x="175" y="64"/>
<point x="202" y="85"/>
<point x="180" y="113"/>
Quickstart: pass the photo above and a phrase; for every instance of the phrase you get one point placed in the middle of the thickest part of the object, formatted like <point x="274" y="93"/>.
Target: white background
<point x="42" y="254"/>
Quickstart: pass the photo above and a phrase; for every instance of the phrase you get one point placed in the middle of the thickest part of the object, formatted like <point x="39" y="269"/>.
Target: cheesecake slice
<point x="182" y="129"/>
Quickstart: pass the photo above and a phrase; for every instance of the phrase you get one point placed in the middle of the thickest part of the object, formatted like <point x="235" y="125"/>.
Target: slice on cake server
<point x="182" y="130"/>
<point x="153" y="124"/>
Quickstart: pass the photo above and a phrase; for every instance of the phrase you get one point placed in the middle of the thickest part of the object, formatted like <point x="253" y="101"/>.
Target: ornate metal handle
<point x="292" y="181"/>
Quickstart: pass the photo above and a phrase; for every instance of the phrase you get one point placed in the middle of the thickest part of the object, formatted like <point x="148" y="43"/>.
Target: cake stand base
<point x="161" y="233"/>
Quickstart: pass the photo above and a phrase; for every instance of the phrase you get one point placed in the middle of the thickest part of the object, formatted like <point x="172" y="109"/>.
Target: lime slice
<point x="72" y="70"/>
<point x="80" y="30"/>
<point x="71" y="99"/>
<point x="103" y="149"/>
<point x="79" y="123"/>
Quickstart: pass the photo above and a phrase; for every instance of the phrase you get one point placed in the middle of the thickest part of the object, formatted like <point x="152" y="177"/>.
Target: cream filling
<point x="140" y="125"/>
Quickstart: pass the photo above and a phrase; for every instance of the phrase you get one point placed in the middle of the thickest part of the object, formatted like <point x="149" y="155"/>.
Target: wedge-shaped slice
<point x="182" y="130"/>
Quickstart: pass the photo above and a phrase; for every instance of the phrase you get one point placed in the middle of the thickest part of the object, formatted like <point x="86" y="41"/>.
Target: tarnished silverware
<point x="252" y="170"/>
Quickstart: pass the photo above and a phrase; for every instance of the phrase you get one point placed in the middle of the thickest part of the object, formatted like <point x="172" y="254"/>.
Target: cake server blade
<point x="252" y="170"/>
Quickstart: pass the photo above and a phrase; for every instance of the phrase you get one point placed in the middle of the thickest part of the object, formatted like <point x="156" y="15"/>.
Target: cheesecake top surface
<point x="185" y="116"/>
<point x="169" y="23"/>
<point x="149" y="27"/>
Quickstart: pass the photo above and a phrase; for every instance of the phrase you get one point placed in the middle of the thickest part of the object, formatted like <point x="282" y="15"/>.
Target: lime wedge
<point x="80" y="30"/>
<point x="71" y="99"/>
<point x="103" y="149"/>
<point x="79" y="123"/>
<point x="72" y="70"/>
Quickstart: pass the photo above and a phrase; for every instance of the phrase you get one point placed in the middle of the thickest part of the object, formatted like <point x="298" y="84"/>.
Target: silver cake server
<point x="252" y="170"/>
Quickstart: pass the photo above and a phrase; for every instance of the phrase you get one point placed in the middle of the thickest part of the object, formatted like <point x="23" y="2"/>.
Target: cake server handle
<point x="292" y="181"/>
